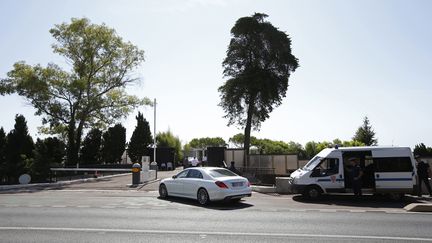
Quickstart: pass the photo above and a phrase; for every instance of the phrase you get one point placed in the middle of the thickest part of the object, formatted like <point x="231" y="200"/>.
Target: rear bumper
<point x="237" y="196"/>
<point x="226" y="194"/>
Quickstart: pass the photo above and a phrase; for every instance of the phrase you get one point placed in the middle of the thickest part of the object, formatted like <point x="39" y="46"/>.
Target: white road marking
<point x="201" y="233"/>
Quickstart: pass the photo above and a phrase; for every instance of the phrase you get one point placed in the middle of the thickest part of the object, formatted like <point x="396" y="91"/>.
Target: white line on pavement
<point x="262" y="234"/>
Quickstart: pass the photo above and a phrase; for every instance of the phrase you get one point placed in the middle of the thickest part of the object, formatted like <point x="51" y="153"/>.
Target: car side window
<point x="195" y="174"/>
<point x="183" y="174"/>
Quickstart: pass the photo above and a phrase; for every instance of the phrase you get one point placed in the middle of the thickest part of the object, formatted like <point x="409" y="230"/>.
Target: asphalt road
<point x="95" y="215"/>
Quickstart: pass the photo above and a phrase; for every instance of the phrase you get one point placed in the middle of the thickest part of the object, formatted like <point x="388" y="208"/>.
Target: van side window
<point x="393" y="164"/>
<point x="327" y="167"/>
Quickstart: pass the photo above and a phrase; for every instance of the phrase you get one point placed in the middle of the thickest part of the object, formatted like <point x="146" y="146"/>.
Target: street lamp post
<point x="154" y="135"/>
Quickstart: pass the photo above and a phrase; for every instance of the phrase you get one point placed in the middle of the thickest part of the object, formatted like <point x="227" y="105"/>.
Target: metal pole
<point x="154" y="135"/>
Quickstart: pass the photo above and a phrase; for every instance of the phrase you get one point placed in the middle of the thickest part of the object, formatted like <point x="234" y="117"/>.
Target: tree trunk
<point x="247" y="133"/>
<point x="71" y="155"/>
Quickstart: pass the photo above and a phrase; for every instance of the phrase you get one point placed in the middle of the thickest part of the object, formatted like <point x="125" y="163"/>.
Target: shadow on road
<point x="222" y="205"/>
<point x="372" y="201"/>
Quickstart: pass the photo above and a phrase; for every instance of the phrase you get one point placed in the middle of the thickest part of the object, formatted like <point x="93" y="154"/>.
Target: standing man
<point x="423" y="172"/>
<point x="356" y="175"/>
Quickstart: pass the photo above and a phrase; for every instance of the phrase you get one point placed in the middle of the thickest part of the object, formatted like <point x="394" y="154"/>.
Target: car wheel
<point x="203" y="197"/>
<point x="312" y="192"/>
<point x="163" y="192"/>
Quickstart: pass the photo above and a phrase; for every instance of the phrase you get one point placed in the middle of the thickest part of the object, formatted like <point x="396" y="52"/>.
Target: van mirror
<point x="174" y="176"/>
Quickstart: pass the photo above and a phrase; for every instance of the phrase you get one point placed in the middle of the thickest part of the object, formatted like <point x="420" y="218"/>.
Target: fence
<point x="62" y="174"/>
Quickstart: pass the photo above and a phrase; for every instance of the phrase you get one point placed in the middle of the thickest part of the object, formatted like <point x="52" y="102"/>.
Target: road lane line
<point x="219" y="233"/>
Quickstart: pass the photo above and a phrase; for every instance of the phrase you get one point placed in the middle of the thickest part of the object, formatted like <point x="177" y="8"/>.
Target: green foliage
<point x="91" y="149"/>
<point x="18" y="150"/>
<point x="91" y="94"/>
<point x="49" y="152"/>
<point x="167" y="139"/>
<point x="140" y="140"/>
<point x="238" y="140"/>
<point x="203" y="143"/>
<point x="258" y="65"/>
<point x="312" y="148"/>
<point x="114" y="144"/>
<point x="2" y="154"/>
<point x="366" y="134"/>
<point x="422" y="150"/>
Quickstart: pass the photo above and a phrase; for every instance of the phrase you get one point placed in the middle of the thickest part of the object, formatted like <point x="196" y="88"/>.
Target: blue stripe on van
<point x="329" y="180"/>
<point x="393" y="179"/>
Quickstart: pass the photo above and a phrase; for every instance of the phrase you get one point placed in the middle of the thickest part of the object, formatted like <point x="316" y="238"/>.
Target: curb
<point x="59" y="183"/>
<point x="264" y="189"/>
<point x="418" y="207"/>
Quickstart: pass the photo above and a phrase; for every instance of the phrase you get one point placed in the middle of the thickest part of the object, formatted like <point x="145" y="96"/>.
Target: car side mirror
<point x="174" y="176"/>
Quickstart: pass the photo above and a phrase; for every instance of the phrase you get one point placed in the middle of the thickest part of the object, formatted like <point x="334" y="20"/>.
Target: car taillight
<point x="249" y="184"/>
<point x="221" y="184"/>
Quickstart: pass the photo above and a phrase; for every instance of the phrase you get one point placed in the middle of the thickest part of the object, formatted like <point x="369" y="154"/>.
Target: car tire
<point x="203" y="197"/>
<point x="312" y="192"/>
<point x="163" y="192"/>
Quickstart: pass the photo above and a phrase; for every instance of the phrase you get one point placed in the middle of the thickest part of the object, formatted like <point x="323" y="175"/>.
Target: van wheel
<point x="312" y="192"/>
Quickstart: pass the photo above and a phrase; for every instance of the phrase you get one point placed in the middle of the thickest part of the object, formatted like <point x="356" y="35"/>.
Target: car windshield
<point x="221" y="173"/>
<point x="312" y="163"/>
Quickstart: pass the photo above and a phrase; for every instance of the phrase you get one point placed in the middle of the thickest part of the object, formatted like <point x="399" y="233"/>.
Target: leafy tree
<point x="91" y="149"/>
<point x="207" y="142"/>
<point x="114" y="144"/>
<point x="19" y="150"/>
<point x="311" y="149"/>
<point x="366" y="134"/>
<point x="167" y="139"/>
<point x="2" y="155"/>
<point x="238" y="140"/>
<point x="258" y="65"/>
<point x="422" y="150"/>
<point x="49" y="152"/>
<point x="91" y="94"/>
<point x="140" y="140"/>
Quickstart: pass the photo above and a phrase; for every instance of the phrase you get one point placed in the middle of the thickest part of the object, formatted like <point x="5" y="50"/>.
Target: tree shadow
<point x="218" y="205"/>
<point x="371" y="201"/>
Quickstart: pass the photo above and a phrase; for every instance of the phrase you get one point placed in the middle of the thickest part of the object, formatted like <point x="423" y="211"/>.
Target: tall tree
<point x="91" y="94"/>
<point x="114" y="144"/>
<point x="203" y="143"/>
<point x="140" y="140"/>
<point x="91" y="149"/>
<point x="366" y="134"/>
<point x="258" y="65"/>
<point x="2" y="155"/>
<point x="19" y="149"/>
<point x="49" y="152"/>
<point x="422" y="150"/>
<point x="167" y="139"/>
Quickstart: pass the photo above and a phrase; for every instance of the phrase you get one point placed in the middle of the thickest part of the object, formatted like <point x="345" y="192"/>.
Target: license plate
<point x="237" y="184"/>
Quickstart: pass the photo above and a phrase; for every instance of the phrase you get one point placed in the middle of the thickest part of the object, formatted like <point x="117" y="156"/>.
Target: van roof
<point x="361" y="148"/>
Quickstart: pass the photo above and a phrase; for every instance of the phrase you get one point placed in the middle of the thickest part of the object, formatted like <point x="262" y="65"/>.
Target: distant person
<point x="356" y="176"/>
<point x="233" y="168"/>
<point x="185" y="162"/>
<point x="423" y="172"/>
<point x="195" y="162"/>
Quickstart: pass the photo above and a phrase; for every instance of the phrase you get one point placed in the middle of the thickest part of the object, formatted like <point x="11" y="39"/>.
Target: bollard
<point x="136" y="174"/>
<point x="154" y="166"/>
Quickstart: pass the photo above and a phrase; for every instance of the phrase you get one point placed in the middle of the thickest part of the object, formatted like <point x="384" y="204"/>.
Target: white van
<point x="387" y="170"/>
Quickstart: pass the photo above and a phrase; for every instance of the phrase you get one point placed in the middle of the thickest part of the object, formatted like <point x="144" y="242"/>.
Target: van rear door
<point x="394" y="174"/>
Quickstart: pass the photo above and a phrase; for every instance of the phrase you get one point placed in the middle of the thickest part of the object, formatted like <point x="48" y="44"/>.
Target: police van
<point x="386" y="170"/>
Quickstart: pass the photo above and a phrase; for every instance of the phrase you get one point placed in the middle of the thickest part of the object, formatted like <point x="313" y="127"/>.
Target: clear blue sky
<point x="356" y="58"/>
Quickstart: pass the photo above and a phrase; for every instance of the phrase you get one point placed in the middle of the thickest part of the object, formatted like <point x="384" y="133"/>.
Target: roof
<point x="369" y="148"/>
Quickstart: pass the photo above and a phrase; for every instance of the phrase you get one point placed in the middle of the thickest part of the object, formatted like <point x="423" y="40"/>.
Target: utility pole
<point x="154" y="131"/>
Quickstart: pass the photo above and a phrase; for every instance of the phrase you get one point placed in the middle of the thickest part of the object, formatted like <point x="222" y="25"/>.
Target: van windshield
<point x="312" y="163"/>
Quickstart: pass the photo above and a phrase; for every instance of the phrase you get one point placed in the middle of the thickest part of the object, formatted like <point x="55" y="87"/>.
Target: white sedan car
<point x="206" y="184"/>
